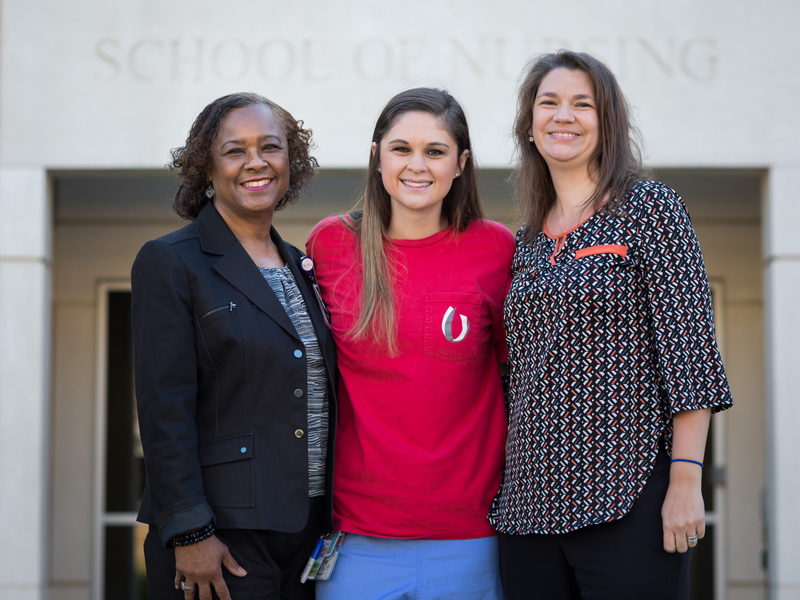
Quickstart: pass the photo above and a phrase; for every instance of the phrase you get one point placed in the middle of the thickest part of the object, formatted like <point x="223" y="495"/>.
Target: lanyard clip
<point x="306" y="264"/>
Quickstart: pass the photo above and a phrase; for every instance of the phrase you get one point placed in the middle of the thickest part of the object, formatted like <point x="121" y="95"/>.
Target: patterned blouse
<point x="610" y="332"/>
<point x="283" y="284"/>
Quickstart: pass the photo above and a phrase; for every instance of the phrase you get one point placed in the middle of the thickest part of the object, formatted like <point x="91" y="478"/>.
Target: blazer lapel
<point x="237" y="267"/>
<point x="248" y="279"/>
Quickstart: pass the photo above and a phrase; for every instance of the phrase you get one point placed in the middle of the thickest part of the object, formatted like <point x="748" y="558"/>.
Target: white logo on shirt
<point x="447" y="326"/>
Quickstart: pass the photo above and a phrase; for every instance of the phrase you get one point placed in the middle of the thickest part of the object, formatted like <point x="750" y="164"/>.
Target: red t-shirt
<point x="421" y="436"/>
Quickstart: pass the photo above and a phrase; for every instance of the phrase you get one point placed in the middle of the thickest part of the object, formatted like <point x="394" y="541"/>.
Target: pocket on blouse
<point x="452" y="325"/>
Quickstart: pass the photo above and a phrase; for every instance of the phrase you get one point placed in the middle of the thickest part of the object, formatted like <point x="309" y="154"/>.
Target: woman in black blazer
<point x="235" y="368"/>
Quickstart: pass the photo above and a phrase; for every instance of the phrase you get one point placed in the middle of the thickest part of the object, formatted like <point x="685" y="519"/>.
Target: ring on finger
<point x="692" y="539"/>
<point x="185" y="587"/>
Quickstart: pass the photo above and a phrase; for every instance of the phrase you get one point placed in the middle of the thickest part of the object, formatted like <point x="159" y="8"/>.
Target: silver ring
<point x="692" y="539"/>
<point x="185" y="587"/>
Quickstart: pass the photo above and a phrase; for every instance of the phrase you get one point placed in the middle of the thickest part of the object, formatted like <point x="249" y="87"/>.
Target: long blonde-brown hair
<point x="370" y="221"/>
<point x="617" y="161"/>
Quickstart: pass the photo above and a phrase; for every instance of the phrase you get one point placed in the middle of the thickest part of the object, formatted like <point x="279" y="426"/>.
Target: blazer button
<point x="298" y="354"/>
<point x="298" y="393"/>
<point x="298" y="433"/>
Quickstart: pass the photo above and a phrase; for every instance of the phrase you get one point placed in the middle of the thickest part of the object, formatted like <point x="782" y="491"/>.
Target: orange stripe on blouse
<point x="606" y="249"/>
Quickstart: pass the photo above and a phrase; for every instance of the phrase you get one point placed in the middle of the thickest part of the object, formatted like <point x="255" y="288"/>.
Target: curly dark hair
<point x="192" y="162"/>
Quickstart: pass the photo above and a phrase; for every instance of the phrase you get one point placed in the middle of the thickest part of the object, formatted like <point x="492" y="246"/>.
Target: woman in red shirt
<point x="415" y="282"/>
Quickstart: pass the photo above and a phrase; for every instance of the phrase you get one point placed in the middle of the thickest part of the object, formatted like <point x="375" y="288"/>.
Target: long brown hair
<point x="192" y="161"/>
<point x="370" y="221"/>
<point x="616" y="164"/>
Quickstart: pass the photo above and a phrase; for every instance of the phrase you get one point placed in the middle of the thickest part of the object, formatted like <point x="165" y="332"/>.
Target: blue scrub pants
<point x="370" y="568"/>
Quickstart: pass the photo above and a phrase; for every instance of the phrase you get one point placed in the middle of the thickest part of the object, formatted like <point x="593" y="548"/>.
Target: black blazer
<point x="220" y="393"/>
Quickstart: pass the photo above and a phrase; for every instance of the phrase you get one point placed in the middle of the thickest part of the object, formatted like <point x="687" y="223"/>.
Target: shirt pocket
<point x="604" y="279"/>
<point x="452" y="325"/>
<point x="227" y="466"/>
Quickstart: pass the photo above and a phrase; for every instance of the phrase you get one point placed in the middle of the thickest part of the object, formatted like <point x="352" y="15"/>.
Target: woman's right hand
<point x="199" y="566"/>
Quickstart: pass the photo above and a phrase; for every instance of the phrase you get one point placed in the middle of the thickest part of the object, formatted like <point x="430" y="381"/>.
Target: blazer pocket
<point x="223" y="336"/>
<point x="228" y="474"/>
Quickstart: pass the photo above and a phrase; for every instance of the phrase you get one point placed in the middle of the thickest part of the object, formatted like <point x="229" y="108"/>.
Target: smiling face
<point x="419" y="160"/>
<point x="249" y="164"/>
<point x="565" y="126"/>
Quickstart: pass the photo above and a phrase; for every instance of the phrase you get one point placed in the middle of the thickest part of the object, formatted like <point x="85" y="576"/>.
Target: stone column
<point x="25" y="272"/>
<point x="782" y="293"/>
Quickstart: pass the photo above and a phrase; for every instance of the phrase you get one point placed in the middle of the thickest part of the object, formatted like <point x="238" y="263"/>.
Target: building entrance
<point x="102" y="219"/>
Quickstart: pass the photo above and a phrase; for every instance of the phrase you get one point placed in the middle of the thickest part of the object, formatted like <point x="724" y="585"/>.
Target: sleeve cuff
<point x="197" y="514"/>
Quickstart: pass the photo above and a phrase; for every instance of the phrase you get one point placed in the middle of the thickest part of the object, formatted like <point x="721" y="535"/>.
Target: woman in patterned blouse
<point x="614" y="365"/>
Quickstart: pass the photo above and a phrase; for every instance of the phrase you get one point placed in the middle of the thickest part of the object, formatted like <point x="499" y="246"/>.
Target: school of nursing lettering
<point x="592" y="452"/>
<point x="319" y="60"/>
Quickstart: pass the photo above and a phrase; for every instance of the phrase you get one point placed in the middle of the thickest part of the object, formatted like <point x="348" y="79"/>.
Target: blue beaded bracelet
<point x="697" y="462"/>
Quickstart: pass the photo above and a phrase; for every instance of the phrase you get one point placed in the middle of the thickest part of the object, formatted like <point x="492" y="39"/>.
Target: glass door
<point x="119" y="465"/>
<point x="708" y="576"/>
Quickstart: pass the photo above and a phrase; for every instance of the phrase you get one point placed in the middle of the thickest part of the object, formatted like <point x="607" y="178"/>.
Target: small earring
<point x="458" y="174"/>
<point x="530" y="139"/>
<point x="209" y="191"/>
<point x="379" y="169"/>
